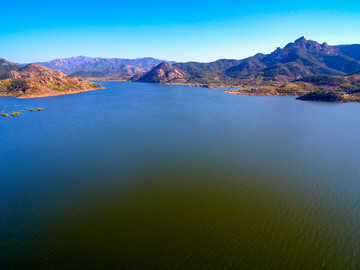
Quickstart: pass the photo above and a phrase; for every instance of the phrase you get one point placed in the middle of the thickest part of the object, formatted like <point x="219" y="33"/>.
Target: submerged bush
<point x="16" y="113"/>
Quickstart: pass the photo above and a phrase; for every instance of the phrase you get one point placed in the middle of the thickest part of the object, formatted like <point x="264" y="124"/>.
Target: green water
<point x="143" y="176"/>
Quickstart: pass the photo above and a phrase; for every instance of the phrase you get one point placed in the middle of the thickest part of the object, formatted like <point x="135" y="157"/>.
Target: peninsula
<point x="37" y="81"/>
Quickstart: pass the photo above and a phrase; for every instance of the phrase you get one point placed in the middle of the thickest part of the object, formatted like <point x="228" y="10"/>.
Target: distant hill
<point x="108" y="66"/>
<point x="123" y="69"/>
<point x="90" y="74"/>
<point x="36" y="81"/>
<point x="6" y="67"/>
<point x="352" y="51"/>
<point x="162" y="73"/>
<point x="111" y="71"/>
<point x="355" y="73"/>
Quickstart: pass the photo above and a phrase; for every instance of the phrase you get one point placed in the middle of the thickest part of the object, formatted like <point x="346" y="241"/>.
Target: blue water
<point x="156" y="176"/>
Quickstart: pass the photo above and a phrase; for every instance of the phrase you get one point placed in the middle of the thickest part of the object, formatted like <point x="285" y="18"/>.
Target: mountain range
<point x="102" y="67"/>
<point x="300" y="68"/>
<point x="296" y="60"/>
<point x="304" y="68"/>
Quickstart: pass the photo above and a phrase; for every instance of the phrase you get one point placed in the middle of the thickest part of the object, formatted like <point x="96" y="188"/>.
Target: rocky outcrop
<point x="162" y="73"/>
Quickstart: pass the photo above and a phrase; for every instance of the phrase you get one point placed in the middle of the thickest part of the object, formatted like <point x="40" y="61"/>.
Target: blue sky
<point x="185" y="30"/>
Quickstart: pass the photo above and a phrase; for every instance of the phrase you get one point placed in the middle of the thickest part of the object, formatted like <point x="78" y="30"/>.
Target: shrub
<point x="61" y="90"/>
<point x="18" y="85"/>
<point x="69" y="85"/>
<point x="324" y="80"/>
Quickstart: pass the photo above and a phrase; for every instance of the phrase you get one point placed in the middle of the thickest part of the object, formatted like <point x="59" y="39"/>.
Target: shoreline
<point x="297" y="97"/>
<point x="234" y="92"/>
<point x="167" y="83"/>
<point x="256" y="94"/>
<point x="53" y="94"/>
<point x="199" y="85"/>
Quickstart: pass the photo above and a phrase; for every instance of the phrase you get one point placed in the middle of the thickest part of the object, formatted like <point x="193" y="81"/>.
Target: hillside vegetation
<point x="37" y="81"/>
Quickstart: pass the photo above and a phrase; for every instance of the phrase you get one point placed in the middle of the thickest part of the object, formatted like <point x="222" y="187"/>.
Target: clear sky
<point x="184" y="30"/>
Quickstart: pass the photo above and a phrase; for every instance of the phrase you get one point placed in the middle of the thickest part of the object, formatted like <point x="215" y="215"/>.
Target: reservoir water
<point x="147" y="176"/>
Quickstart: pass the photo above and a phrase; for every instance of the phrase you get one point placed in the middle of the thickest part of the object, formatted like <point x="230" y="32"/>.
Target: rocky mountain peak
<point x="163" y="72"/>
<point x="165" y="66"/>
<point x="303" y="44"/>
<point x="300" y="40"/>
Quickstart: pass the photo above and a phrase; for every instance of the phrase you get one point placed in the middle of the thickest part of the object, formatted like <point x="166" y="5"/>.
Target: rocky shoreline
<point x="319" y="96"/>
<point x="57" y="94"/>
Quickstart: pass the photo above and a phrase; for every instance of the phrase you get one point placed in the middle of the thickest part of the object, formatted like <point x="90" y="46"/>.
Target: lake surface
<point x="171" y="177"/>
